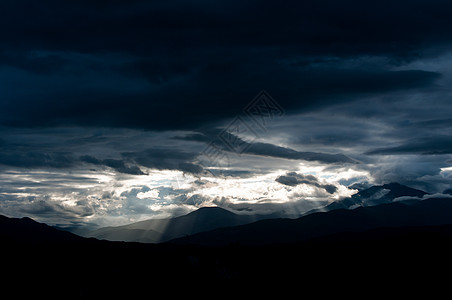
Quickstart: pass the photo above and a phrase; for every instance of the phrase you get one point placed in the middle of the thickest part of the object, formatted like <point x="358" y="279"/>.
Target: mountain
<point x="160" y="230"/>
<point x="93" y="269"/>
<point x="30" y="231"/>
<point x="209" y="218"/>
<point x="375" y="195"/>
<point x="435" y="211"/>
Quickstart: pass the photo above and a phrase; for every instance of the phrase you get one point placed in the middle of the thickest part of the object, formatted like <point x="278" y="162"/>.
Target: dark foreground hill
<point x="28" y="231"/>
<point x="339" y="264"/>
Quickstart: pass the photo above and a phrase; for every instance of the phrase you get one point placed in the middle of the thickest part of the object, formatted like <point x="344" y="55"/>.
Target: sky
<point x="117" y="111"/>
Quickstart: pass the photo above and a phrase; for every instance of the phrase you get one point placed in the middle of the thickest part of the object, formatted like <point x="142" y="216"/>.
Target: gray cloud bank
<point x="294" y="179"/>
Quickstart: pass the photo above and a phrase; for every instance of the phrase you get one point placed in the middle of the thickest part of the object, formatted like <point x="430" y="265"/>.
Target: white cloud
<point x="108" y="198"/>
<point x="149" y="194"/>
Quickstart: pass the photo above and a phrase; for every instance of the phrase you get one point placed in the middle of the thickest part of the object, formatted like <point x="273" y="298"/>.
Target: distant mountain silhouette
<point x="160" y="230"/>
<point x="210" y="218"/>
<point x="375" y="195"/>
<point x="437" y="211"/>
<point x="30" y="231"/>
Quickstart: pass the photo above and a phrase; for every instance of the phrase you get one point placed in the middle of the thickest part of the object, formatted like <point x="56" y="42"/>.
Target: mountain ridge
<point x="435" y="211"/>
<point x="374" y="195"/>
<point x="161" y="230"/>
<point x="209" y="218"/>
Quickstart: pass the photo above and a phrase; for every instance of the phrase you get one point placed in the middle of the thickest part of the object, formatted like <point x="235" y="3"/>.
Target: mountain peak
<point x="399" y="190"/>
<point x="211" y="210"/>
<point x="393" y="185"/>
<point x="208" y="213"/>
<point x="159" y="230"/>
<point x="28" y="220"/>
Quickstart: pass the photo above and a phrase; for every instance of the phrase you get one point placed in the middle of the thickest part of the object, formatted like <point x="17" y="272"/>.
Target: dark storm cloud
<point x="37" y="159"/>
<point x="270" y="150"/>
<point x="206" y="96"/>
<point x="349" y="26"/>
<point x="161" y="159"/>
<point x="293" y="179"/>
<point x="265" y="149"/>
<point x="160" y="65"/>
<point x="116" y="164"/>
<point x="125" y="151"/>
<point x="424" y="146"/>
<point x="166" y="159"/>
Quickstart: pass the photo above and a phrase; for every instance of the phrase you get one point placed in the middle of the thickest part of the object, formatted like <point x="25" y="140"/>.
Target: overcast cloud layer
<point x="108" y="108"/>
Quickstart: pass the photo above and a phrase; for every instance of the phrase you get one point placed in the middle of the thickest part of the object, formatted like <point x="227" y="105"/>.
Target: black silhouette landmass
<point x="27" y="230"/>
<point x="399" y="249"/>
